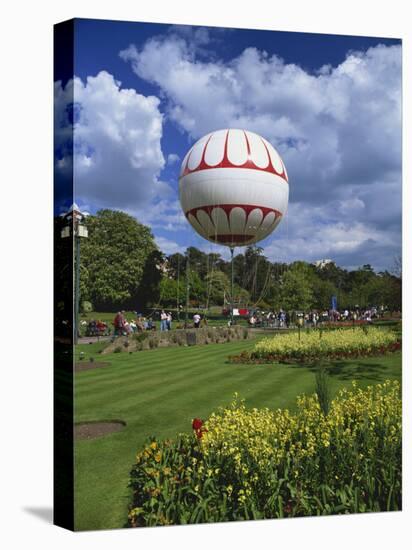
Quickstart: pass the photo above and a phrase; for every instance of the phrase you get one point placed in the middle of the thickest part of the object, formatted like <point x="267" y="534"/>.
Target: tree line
<point x="122" y="268"/>
<point x="258" y="282"/>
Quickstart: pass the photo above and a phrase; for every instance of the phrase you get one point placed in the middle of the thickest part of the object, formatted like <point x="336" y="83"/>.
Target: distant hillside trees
<point x="122" y="268"/>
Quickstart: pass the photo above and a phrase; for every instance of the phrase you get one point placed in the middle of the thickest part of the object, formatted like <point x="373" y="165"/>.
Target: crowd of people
<point x="123" y="327"/>
<point x="256" y="319"/>
<point x="283" y="319"/>
<point x="96" y="328"/>
<point x="272" y="319"/>
<point x="357" y="314"/>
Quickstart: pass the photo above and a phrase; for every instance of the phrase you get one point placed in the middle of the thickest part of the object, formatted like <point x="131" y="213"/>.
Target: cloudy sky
<point x="331" y="105"/>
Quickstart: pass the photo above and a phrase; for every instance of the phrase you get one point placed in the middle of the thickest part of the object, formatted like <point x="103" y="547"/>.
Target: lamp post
<point x="75" y="228"/>
<point x="178" y="289"/>
<point x="231" y="285"/>
<point x="187" y="290"/>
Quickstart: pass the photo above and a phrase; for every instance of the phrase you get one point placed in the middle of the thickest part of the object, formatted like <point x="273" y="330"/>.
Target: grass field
<point x="159" y="392"/>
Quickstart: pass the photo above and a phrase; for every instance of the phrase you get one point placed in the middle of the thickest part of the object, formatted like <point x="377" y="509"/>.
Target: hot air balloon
<point x="233" y="188"/>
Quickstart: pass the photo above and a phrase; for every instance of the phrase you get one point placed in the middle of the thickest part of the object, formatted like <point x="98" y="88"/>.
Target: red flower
<point x="198" y="427"/>
<point x="197" y="424"/>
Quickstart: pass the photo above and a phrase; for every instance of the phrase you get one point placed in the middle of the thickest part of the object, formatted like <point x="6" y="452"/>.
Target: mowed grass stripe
<point x="146" y="360"/>
<point x="177" y="352"/>
<point x="156" y="389"/>
<point x="174" y="367"/>
<point x="145" y="392"/>
<point x="151" y="379"/>
<point x="260" y="388"/>
<point x="138" y="373"/>
<point x="148" y="384"/>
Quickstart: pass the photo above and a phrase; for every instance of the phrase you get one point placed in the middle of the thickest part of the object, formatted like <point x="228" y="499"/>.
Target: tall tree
<point x="296" y="290"/>
<point x="121" y="265"/>
<point x="198" y="261"/>
<point x="322" y="294"/>
<point x="217" y="284"/>
<point x="176" y="264"/>
<point x="172" y="293"/>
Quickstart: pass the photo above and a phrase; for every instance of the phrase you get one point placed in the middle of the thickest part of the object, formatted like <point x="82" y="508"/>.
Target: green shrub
<point x="140" y="336"/>
<point x="87" y="307"/>
<point x="117" y="349"/>
<point x="252" y="464"/>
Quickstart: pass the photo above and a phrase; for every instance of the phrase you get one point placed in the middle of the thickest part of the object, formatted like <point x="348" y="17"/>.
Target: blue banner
<point x="334" y="302"/>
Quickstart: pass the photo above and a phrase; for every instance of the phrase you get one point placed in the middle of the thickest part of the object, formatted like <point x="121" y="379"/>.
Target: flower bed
<point x="312" y="345"/>
<point x="256" y="463"/>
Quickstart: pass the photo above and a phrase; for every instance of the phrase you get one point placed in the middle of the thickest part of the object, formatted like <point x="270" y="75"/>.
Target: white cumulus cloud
<point x="116" y="141"/>
<point x="314" y="232"/>
<point x="167" y="246"/>
<point x="339" y="126"/>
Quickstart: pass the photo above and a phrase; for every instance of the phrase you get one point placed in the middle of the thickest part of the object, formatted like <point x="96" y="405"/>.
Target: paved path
<point x="94" y="339"/>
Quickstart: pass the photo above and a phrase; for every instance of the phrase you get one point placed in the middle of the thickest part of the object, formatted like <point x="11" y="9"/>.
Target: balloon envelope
<point x="233" y="187"/>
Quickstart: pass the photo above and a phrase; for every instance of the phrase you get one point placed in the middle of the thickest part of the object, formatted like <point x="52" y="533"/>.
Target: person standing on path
<point x="163" y="320"/>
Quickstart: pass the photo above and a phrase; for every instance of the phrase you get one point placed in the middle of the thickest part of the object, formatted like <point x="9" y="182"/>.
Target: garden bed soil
<point x="88" y="365"/>
<point x="92" y="430"/>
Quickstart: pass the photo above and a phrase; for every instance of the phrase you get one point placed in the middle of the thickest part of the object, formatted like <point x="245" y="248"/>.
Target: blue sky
<point x="331" y="105"/>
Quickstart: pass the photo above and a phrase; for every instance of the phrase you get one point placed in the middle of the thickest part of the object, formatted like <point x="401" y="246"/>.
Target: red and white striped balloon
<point x="233" y="187"/>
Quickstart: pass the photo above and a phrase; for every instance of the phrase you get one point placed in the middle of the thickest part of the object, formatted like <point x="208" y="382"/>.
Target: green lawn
<point x="159" y="392"/>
